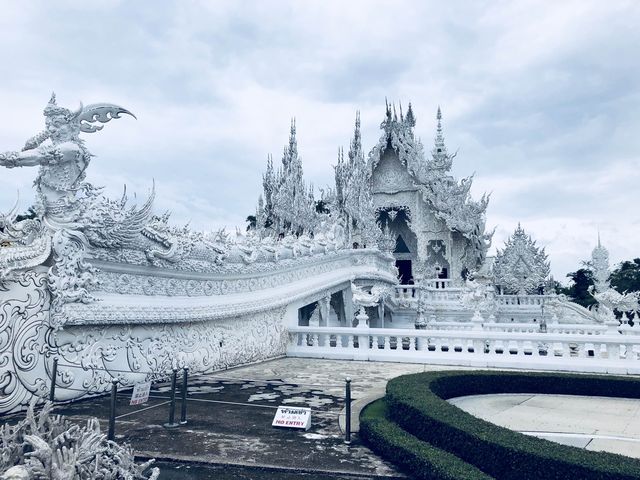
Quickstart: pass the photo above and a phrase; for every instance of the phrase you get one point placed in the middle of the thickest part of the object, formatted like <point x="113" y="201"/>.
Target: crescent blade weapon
<point x="99" y="112"/>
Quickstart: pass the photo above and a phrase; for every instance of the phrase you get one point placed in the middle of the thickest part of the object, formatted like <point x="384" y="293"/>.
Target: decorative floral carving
<point x="24" y="331"/>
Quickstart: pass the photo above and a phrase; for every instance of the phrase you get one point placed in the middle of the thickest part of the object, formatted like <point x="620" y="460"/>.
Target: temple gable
<point x="390" y="176"/>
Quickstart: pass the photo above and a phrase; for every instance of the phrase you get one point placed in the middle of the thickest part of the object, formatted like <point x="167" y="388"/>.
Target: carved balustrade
<point x="547" y="351"/>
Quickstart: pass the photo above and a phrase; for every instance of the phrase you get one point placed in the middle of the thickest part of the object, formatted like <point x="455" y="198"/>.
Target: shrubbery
<point x="422" y="460"/>
<point x="417" y="403"/>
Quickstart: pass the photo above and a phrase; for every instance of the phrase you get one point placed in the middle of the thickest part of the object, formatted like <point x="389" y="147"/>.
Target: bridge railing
<point x="612" y="353"/>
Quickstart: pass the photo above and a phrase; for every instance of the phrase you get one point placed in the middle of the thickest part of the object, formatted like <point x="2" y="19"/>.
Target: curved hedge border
<point x="417" y="403"/>
<point x="422" y="460"/>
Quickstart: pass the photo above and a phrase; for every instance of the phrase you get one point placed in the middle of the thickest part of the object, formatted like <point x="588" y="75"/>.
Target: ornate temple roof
<point x="449" y="198"/>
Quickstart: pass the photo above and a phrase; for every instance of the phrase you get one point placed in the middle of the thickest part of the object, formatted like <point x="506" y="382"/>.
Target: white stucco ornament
<point x="521" y="267"/>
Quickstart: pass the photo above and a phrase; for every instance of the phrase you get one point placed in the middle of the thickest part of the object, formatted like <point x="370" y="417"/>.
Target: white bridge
<point x="145" y="320"/>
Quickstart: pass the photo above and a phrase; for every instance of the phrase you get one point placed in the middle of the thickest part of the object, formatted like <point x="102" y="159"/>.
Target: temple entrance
<point x="404" y="271"/>
<point x="398" y="221"/>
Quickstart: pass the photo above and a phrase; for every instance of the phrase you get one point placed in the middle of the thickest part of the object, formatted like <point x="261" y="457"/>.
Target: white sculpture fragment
<point x="47" y="446"/>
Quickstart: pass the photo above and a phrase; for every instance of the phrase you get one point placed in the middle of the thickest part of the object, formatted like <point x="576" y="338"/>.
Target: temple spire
<point x="600" y="266"/>
<point x="439" y="135"/>
<point x="441" y="159"/>
<point x="355" y="149"/>
<point x="410" y="118"/>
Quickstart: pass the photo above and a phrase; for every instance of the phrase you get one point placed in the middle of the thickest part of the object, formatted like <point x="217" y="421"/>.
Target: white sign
<point x="140" y="393"/>
<point x="292" y="417"/>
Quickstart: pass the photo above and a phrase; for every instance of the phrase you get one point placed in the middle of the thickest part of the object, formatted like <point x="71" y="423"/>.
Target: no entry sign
<point x="140" y="393"/>
<point x="292" y="417"/>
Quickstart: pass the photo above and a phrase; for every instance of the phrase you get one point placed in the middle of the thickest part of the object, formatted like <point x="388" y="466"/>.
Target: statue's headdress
<point x="54" y="110"/>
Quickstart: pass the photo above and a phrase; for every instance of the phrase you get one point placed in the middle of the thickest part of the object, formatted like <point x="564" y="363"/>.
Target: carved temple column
<point x="324" y="304"/>
<point x="347" y="299"/>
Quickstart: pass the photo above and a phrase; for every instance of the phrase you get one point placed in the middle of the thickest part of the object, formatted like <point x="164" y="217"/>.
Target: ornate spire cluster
<point x="521" y="267"/>
<point x="398" y="135"/>
<point x="288" y="204"/>
<point x="353" y="191"/>
<point x="452" y="201"/>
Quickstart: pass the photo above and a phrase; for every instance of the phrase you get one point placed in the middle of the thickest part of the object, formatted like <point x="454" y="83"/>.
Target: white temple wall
<point x="200" y="346"/>
<point x="148" y="320"/>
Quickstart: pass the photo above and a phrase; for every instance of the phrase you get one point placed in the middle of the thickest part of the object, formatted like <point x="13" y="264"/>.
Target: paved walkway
<point x="595" y="423"/>
<point x="230" y="415"/>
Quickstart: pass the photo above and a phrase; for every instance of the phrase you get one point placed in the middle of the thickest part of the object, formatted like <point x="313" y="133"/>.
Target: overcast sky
<point x="542" y="99"/>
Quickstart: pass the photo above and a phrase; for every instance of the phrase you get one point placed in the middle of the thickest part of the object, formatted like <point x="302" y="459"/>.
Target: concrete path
<point x="595" y="423"/>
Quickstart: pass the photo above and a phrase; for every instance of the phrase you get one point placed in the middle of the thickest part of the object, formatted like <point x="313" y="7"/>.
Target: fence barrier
<point x="112" y="409"/>
<point x="172" y="405"/>
<point x="347" y="420"/>
<point x="184" y="394"/>
<point x="183" y="407"/>
<point x="54" y="375"/>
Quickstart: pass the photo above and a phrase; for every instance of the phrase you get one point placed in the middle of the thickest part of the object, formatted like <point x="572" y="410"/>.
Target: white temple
<point x="391" y="265"/>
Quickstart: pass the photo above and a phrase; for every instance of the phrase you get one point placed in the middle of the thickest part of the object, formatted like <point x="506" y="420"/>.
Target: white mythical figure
<point x="362" y="298"/>
<point x="477" y="296"/>
<point x="71" y="213"/>
<point x="610" y="300"/>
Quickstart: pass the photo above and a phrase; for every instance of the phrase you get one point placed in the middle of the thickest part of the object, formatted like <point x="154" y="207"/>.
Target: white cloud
<point x="541" y="98"/>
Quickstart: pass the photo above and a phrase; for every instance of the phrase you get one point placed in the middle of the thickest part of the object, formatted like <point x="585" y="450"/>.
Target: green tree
<point x="626" y="276"/>
<point x="321" y="207"/>
<point x="251" y="221"/>
<point x="578" y="289"/>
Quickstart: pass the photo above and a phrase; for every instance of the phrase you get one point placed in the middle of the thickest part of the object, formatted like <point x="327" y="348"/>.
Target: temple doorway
<point x="404" y="271"/>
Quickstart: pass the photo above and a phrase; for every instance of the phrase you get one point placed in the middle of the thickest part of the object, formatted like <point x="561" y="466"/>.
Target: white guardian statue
<point x="70" y="213"/>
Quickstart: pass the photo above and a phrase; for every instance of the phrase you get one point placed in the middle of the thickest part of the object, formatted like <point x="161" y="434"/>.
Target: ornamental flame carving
<point x="521" y="267"/>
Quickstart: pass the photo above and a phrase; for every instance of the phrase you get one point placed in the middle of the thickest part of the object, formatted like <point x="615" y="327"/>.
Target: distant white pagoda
<point x="521" y="267"/>
<point x="600" y="267"/>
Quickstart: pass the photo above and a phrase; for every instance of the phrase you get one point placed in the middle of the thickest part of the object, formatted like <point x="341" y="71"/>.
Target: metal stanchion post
<point x="347" y="420"/>
<point x="172" y="405"/>
<point x="112" y="410"/>
<point x="54" y="375"/>
<point x="183" y="410"/>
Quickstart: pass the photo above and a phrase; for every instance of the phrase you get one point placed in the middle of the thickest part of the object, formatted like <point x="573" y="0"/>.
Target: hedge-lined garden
<point x="422" y="460"/>
<point x="419" y="426"/>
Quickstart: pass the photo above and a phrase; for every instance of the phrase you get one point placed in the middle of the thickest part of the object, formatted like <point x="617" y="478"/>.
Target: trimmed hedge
<point x="417" y="403"/>
<point x="418" y="458"/>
